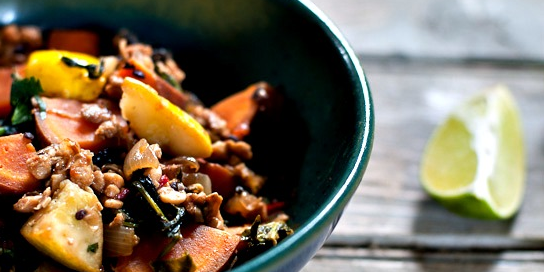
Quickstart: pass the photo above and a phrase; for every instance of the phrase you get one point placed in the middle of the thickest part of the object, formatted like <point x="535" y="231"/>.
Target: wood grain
<point x="422" y="58"/>
<point x="482" y="29"/>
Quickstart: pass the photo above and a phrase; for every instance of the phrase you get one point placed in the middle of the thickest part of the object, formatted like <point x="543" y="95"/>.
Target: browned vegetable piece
<point x="209" y="249"/>
<point x="143" y="256"/>
<point x="15" y="178"/>
<point x="5" y="88"/>
<point x="239" y="109"/>
<point x="223" y="181"/>
<point x="51" y="266"/>
<point x="59" y="233"/>
<point x="138" y="71"/>
<point x="168" y="91"/>
<point x="82" y="41"/>
<point x="63" y="120"/>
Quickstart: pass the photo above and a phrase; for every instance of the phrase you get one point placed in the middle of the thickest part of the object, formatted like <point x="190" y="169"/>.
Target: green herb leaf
<point x="92" y="248"/>
<point x="170" y="79"/>
<point x="22" y="91"/>
<point x="7" y="130"/>
<point x="170" y="227"/>
<point x="267" y="234"/>
<point x="94" y="71"/>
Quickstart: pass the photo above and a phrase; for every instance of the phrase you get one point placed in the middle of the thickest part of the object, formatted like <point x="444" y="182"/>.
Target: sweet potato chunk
<point x="82" y="41"/>
<point x="145" y="253"/>
<point x="209" y="249"/>
<point x="5" y="88"/>
<point x="223" y="181"/>
<point x="63" y="120"/>
<point x="240" y="109"/>
<point x="138" y="71"/>
<point x="15" y="178"/>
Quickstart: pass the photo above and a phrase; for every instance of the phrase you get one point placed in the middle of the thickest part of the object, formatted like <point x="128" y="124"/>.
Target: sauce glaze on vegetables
<point x="128" y="171"/>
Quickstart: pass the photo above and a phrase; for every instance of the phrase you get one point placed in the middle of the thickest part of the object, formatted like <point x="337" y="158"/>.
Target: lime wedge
<point x="474" y="163"/>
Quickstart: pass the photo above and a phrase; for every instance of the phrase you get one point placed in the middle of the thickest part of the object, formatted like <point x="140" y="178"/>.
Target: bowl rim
<point x="310" y="236"/>
<point x="320" y="225"/>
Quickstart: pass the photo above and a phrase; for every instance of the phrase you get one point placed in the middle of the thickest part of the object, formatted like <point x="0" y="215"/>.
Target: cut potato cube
<point x="72" y="240"/>
<point x="156" y="119"/>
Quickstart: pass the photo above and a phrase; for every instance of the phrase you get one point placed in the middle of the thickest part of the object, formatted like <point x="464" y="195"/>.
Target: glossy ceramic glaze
<point x="323" y="141"/>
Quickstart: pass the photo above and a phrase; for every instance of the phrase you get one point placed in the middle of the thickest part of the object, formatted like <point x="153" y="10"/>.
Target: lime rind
<point x="469" y="205"/>
<point x="492" y="121"/>
<point x="510" y="165"/>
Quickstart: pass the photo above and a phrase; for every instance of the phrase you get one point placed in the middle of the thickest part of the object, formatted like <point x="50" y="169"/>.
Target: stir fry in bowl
<point x="108" y="164"/>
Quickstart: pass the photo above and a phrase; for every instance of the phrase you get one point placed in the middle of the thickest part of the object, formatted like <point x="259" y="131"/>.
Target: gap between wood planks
<point x="447" y="61"/>
<point x="400" y="254"/>
<point x="421" y="242"/>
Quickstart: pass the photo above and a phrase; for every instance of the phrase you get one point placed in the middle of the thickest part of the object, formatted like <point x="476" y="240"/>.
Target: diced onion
<point x="119" y="241"/>
<point x="203" y="179"/>
<point x="246" y="205"/>
<point x="188" y="164"/>
<point x="141" y="156"/>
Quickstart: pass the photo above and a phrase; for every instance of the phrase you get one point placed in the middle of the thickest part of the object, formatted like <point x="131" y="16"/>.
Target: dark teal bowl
<point x="323" y="143"/>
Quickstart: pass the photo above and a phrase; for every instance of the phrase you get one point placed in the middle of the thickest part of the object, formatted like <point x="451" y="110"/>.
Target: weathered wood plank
<point x="422" y="58"/>
<point x="376" y="259"/>
<point x="499" y="29"/>
<point x="411" y="98"/>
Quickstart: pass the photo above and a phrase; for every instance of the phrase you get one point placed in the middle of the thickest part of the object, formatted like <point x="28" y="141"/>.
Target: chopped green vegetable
<point x="162" y="55"/>
<point x="144" y="210"/>
<point x="261" y="237"/>
<point x="171" y="228"/>
<point x="22" y="91"/>
<point x="268" y="234"/>
<point x="92" y="248"/>
<point x="169" y="79"/>
<point x="184" y="263"/>
<point x="7" y="130"/>
<point x="94" y="71"/>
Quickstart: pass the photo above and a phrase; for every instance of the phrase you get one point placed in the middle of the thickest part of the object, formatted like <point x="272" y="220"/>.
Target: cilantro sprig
<point x="22" y="92"/>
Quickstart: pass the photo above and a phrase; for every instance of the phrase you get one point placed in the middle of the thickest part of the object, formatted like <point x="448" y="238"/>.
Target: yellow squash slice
<point x="69" y="229"/>
<point x="65" y="78"/>
<point x="156" y="119"/>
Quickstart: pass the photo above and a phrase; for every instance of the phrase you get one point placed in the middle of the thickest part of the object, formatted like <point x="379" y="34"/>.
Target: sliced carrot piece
<point x="223" y="181"/>
<point x="143" y="256"/>
<point x="82" y="41"/>
<point x="138" y="71"/>
<point x="5" y="88"/>
<point x="15" y="178"/>
<point x="209" y="248"/>
<point x="239" y="109"/>
<point x="63" y="120"/>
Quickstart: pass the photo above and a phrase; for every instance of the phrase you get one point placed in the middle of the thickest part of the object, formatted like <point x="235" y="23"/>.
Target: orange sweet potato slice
<point x="15" y="178"/>
<point x="223" y="180"/>
<point x="210" y="249"/>
<point x="5" y="88"/>
<point x="63" y="120"/>
<point x="82" y="41"/>
<point x="137" y="70"/>
<point x="143" y="256"/>
<point x="239" y="109"/>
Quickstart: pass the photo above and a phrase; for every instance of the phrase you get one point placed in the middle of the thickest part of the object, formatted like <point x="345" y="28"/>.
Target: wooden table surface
<point x="422" y="58"/>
